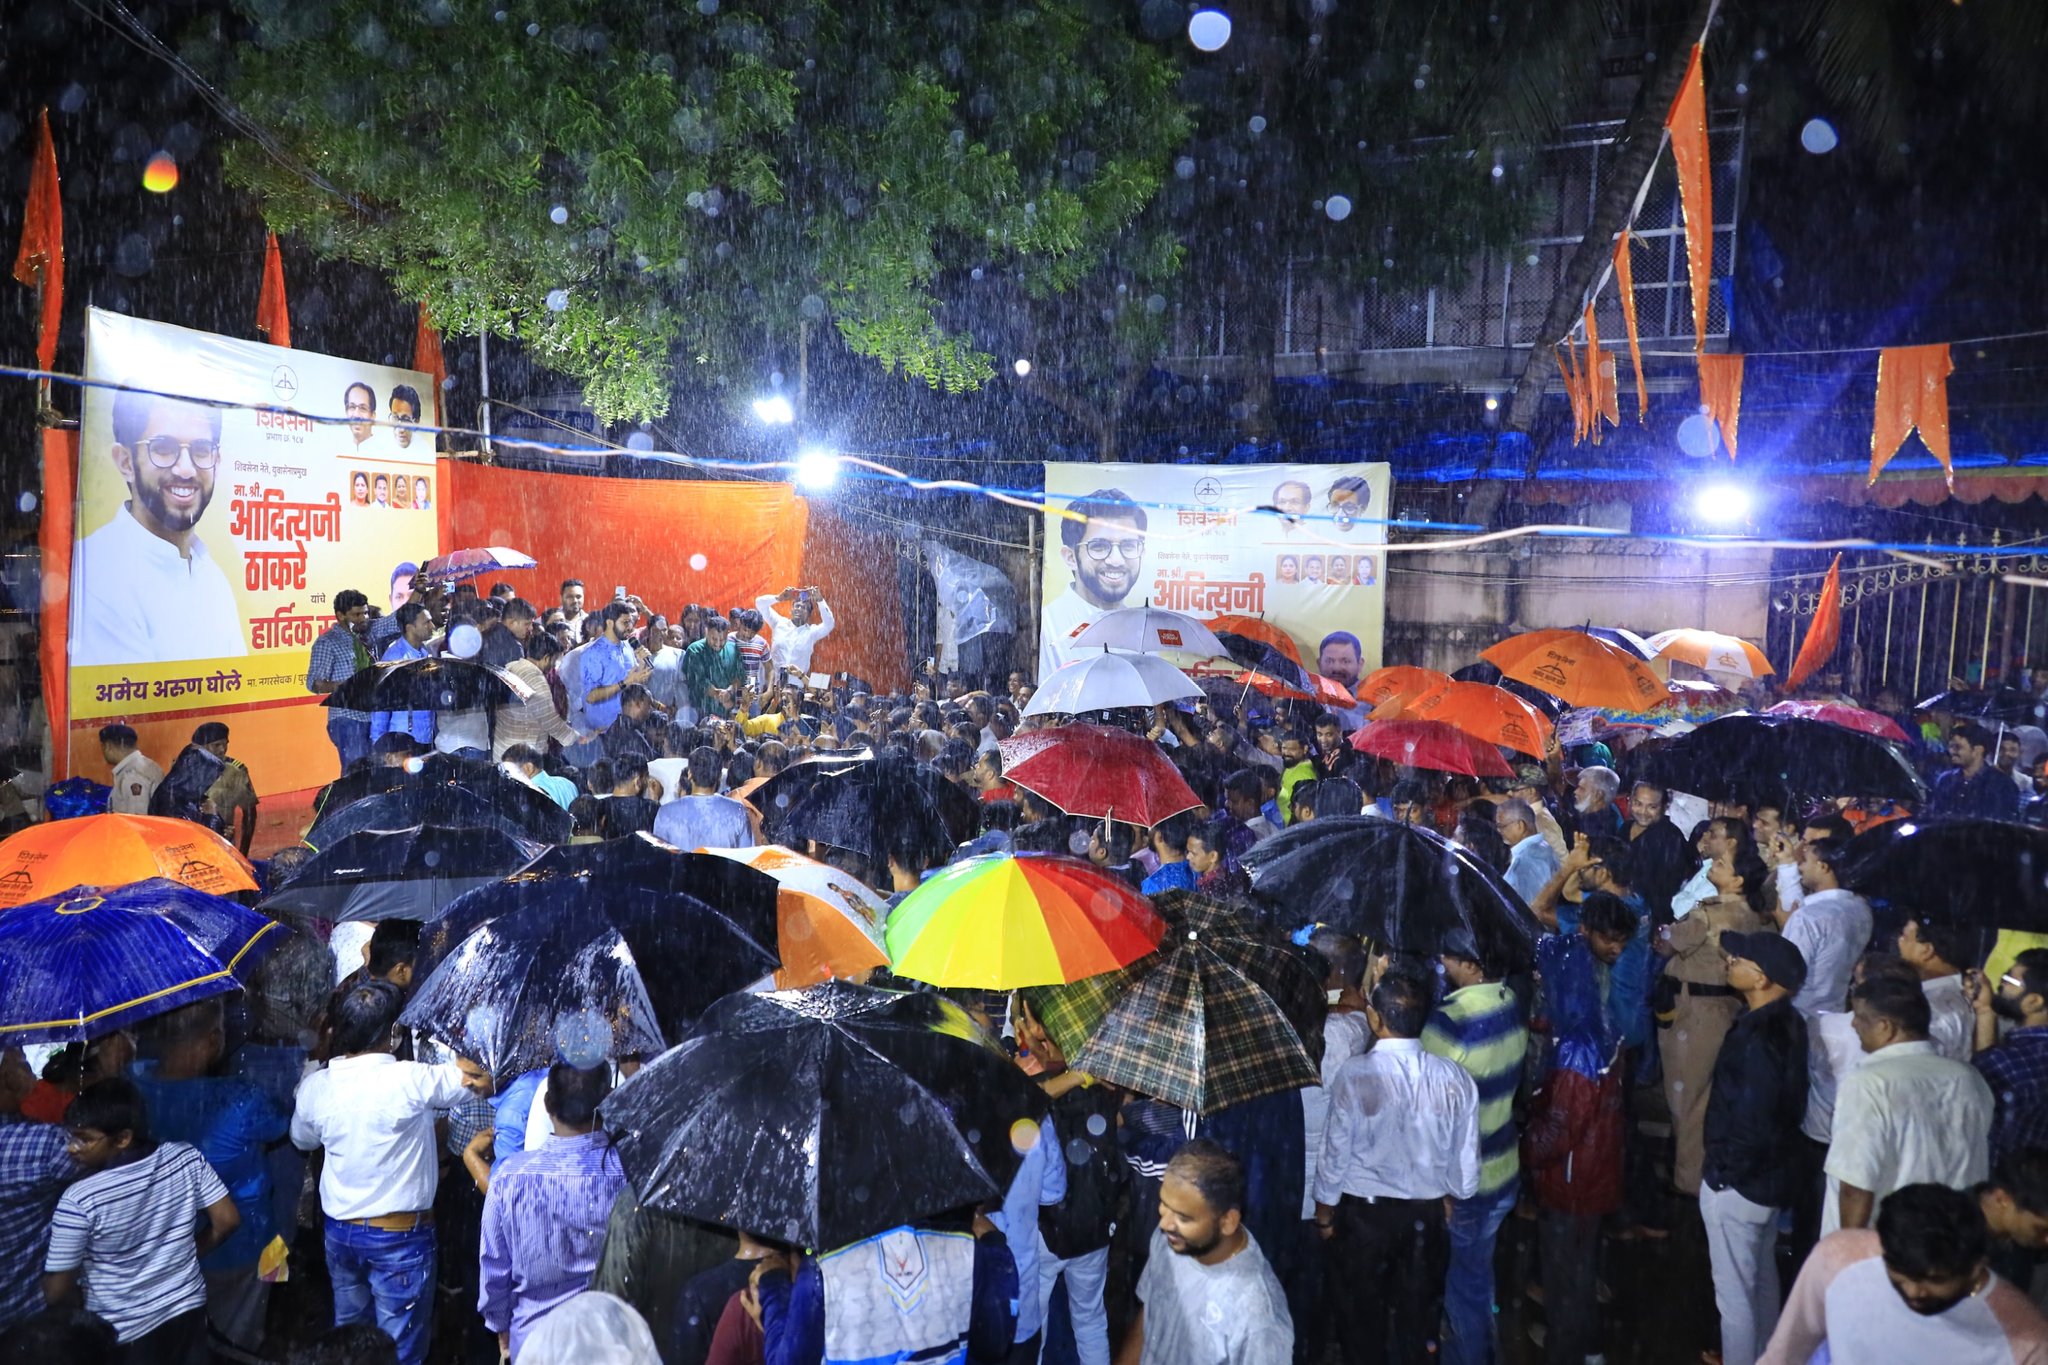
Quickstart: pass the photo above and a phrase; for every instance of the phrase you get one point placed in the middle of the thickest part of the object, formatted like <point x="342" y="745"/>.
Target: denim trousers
<point x="1087" y="1277"/>
<point x="350" y="738"/>
<point x="387" y="1278"/>
<point x="1468" y="1283"/>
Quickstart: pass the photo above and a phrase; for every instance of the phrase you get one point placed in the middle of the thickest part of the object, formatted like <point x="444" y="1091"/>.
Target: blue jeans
<point x="351" y="738"/>
<point x="385" y="1277"/>
<point x="1468" y="1286"/>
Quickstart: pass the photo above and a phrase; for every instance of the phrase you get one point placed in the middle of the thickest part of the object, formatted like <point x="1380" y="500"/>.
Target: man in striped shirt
<point x="1479" y="1026"/>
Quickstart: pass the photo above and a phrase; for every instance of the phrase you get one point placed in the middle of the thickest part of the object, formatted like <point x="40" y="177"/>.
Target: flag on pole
<point x="1625" y="285"/>
<point x="1687" y="124"/>
<point x="272" y="319"/>
<point x="40" y="261"/>
<point x="1825" y="632"/>
<point x="1912" y="394"/>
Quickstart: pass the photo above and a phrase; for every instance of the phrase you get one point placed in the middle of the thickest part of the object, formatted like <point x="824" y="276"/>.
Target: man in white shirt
<point x="136" y="774"/>
<point x="795" y="633"/>
<point x="144" y="589"/>
<point x="1939" y="952"/>
<point x="1906" y="1115"/>
<point x="1208" y="1296"/>
<point x="1402" y="1136"/>
<point x="375" y="1115"/>
<point x="1830" y="925"/>
<point x="1102" y="543"/>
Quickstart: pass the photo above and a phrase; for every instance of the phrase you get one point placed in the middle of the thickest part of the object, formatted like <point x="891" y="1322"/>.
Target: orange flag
<point x="1625" y="283"/>
<point x="1912" y="391"/>
<point x="1721" y="394"/>
<point x="1825" y="632"/>
<point x="1574" y="386"/>
<point x="40" y="262"/>
<point x="1602" y="398"/>
<point x="271" y="317"/>
<point x="1687" y="125"/>
<point x="426" y="357"/>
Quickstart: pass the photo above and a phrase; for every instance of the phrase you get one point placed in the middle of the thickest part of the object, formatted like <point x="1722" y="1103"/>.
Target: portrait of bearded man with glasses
<point x="1102" y="543"/>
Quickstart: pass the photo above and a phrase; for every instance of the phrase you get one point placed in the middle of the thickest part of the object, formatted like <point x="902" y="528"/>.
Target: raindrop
<point x="974" y="274"/>
<point x="500" y="16"/>
<point x="812" y="307"/>
<point x="1421" y="84"/>
<point x="699" y="562"/>
<point x="559" y="214"/>
<point x="533" y="30"/>
<point x="852" y="206"/>
<point x="973" y="1136"/>
<point x="1499" y="170"/>
<point x="714" y="200"/>
<point x="73" y="98"/>
<point x="707" y="7"/>
<point x="1079" y="1152"/>
<point x="1819" y="136"/>
<point x="1022" y="367"/>
<point x="558" y="299"/>
<point x="432" y="857"/>
<point x="26" y="502"/>
<point x="160" y="174"/>
<point x="1258" y="123"/>
<point x="1097" y="1125"/>
<point x="133" y="257"/>
<point x="1023" y="1135"/>
<point x="722" y="250"/>
<point x="182" y="140"/>
<point x="639" y="440"/>
<point x="1185" y="168"/>
<point x="1530" y="259"/>
<point x="1696" y="436"/>
<point x="1338" y="207"/>
<point x="1156" y="304"/>
<point x="1209" y="29"/>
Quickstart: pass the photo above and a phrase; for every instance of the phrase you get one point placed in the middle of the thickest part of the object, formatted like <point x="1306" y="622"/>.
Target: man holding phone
<point x="795" y="631"/>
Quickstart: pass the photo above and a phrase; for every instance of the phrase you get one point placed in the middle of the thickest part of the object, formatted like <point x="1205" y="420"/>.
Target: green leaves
<point x="682" y="182"/>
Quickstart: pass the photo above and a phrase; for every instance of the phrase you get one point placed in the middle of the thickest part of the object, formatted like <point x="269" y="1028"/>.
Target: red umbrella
<point x="1846" y="716"/>
<point x="1431" y="744"/>
<point x="1098" y="771"/>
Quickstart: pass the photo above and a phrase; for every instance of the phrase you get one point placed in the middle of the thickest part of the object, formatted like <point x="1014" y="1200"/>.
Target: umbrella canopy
<point x="1259" y="630"/>
<point x="96" y="959"/>
<point x="1098" y="771"/>
<point x="1197" y="1032"/>
<point x="1578" y="669"/>
<point x="889" y="788"/>
<point x="1626" y="639"/>
<point x="479" y="777"/>
<point x="1490" y="714"/>
<point x="823" y="1116"/>
<point x="827" y="925"/>
<point x="1383" y="685"/>
<point x="410" y="873"/>
<point x="1735" y="756"/>
<point x="1073" y="1010"/>
<point x="457" y="565"/>
<point x="2000" y="703"/>
<point x="107" y="850"/>
<point x="1430" y="744"/>
<point x="1006" y="920"/>
<point x="1277" y="967"/>
<point x="440" y="804"/>
<point x="1150" y="630"/>
<point x="1108" y="682"/>
<point x="440" y="684"/>
<point x="1711" y="650"/>
<point x="1844" y="715"/>
<point x="1396" y="884"/>
<point x="1983" y="872"/>
<point x="576" y="968"/>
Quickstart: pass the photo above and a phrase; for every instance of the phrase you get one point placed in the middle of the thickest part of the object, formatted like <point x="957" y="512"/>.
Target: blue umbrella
<point x="96" y="959"/>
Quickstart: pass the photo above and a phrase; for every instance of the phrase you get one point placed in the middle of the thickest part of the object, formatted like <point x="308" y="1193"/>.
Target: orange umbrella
<point x="1578" y="669"/>
<point x="1257" y="628"/>
<point x="1711" y="650"/>
<point x="826" y="924"/>
<point x="113" y="850"/>
<point x="1482" y="711"/>
<point x="1398" y="680"/>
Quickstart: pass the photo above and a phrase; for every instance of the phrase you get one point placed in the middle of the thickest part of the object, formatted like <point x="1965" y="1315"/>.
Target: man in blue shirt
<point x="1974" y="787"/>
<point x="1170" y="843"/>
<point x="415" y="628"/>
<point x="610" y="666"/>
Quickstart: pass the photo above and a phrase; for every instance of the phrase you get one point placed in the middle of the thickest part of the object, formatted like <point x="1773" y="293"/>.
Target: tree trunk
<point x="1641" y="138"/>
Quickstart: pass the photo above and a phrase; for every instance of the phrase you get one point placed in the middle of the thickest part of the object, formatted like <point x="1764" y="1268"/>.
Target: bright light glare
<point x="1022" y="367"/>
<point x="817" y="469"/>
<point x="774" y="410"/>
<point x="1492" y="403"/>
<point x="1209" y="29"/>
<point x="1723" y="504"/>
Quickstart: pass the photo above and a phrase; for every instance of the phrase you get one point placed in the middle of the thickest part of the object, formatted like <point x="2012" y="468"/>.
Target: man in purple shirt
<point x="545" y="1212"/>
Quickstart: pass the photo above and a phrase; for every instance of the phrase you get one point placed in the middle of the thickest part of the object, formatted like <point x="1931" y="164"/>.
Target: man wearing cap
<point x="1752" y="1138"/>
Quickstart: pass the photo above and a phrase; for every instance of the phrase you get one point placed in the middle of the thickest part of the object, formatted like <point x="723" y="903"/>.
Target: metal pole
<point x="1884" y="672"/>
<point x="1955" y="625"/>
<point x="1920" y="640"/>
<point x="483" y="370"/>
<point x="1990" y="600"/>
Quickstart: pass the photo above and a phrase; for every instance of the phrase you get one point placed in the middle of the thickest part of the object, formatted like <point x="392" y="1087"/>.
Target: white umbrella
<point x="1106" y="681"/>
<point x="1152" y="630"/>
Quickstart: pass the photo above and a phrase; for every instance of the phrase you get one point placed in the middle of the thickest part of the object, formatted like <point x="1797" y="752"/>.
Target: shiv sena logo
<point x="1169" y="638"/>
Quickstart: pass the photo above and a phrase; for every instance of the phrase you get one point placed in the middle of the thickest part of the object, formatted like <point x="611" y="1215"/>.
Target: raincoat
<point x="1571" y="1146"/>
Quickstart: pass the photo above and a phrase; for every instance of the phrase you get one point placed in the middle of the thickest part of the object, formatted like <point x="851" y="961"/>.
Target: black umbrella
<point x="1983" y="872"/>
<point x="378" y="777"/>
<point x="744" y="894"/>
<point x="572" y="968"/>
<point x="1397" y="884"/>
<point x="410" y="873"/>
<point x="442" y="803"/>
<point x="1249" y="652"/>
<point x="1484" y="672"/>
<point x="2008" y="704"/>
<point x="859" y="805"/>
<point x="1731" y="757"/>
<point x="826" y="1115"/>
<point x="422" y="685"/>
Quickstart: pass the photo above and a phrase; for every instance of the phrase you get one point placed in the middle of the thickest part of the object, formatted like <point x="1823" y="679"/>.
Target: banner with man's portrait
<point x="1298" y="546"/>
<point x="212" y="535"/>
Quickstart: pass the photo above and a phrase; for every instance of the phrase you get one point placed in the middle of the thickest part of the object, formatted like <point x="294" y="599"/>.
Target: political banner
<point x="1299" y="547"/>
<point x="212" y="535"/>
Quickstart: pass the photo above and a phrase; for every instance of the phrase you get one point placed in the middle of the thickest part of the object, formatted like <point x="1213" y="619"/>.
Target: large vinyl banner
<point x="1295" y="545"/>
<point x="211" y="539"/>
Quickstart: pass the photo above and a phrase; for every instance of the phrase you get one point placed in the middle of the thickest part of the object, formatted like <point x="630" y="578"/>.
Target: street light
<point x="774" y="410"/>
<point x="817" y="470"/>
<point x="1722" y="503"/>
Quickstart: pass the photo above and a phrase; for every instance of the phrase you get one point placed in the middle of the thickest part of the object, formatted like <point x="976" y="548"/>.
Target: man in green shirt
<point x="712" y="669"/>
<point x="1479" y="1026"/>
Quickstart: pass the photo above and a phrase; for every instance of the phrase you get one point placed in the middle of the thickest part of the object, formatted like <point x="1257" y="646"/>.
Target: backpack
<point x="1098" y="1177"/>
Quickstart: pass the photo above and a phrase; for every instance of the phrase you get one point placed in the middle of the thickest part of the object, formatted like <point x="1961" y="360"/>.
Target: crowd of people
<point x="1716" y="1038"/>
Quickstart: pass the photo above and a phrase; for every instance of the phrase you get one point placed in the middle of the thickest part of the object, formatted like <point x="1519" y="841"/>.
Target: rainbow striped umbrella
<point x="1004" y="921"/>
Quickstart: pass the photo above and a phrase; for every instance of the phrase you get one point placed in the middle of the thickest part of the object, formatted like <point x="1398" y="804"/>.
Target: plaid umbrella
<point x="1273" y="964"/>
<point x="1071" y="1013"/>
<point x="1196" y="1032"/>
